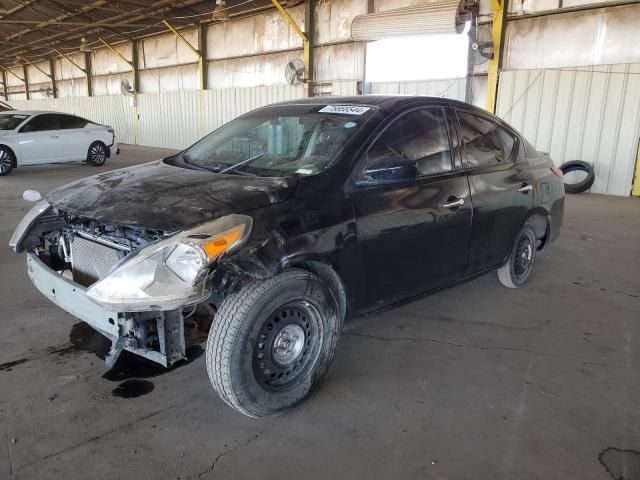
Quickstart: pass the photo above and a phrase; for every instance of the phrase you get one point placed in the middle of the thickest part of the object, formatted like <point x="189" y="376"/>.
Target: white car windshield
<point x="279" y="140"/>
<point x="11" y="121"/>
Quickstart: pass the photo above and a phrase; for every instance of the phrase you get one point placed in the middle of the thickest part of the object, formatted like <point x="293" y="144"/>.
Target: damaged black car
<point x="266" y="235"/>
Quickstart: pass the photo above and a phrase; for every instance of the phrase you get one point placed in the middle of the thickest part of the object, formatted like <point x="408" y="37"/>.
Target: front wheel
<point x="272" y="342"/>
<point x="97" y="154"/>
<point x="7" y="160"/>
<point x="519" y="266"/>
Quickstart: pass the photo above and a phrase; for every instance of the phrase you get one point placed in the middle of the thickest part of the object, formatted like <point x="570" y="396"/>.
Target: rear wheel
<point x="7" y="161"/>
<point x="97" y="154"/>
<point x="519" y="266"/>
<point x="272" y="342"/>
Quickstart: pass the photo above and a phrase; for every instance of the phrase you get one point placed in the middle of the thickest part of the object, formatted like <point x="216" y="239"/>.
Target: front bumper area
<point x="138" y="333"/>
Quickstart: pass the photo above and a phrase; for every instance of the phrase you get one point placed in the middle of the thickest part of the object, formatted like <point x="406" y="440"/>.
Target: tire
<point x="583" y="186"/>
<point x="272" y="342"/>
<point x="97" y="154"/>
<point x="7" y="161"/>
<point x="519" y="266"/>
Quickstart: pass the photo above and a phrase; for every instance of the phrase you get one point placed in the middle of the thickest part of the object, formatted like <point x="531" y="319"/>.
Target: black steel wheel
<point x="272" y="342"/>
<point x="7" y="161"/>
<point x="287" y="345"/>
<point x="97" y="154"/>
<point x="519" y="265"/>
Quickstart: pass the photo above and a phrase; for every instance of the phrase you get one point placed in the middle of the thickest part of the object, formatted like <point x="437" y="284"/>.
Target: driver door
<point x="413" y="234"/>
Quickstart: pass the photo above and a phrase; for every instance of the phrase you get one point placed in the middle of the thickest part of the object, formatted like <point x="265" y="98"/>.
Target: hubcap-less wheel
<point x="287" y="345"/>
<point x="516" y="271"/>
<point x="523" y="258"/>
<point x="6" y="163"/>
<point x="98" y="154"/>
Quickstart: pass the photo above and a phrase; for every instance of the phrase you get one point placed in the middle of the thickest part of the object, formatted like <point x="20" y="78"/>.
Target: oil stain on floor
<point x="8" y="366"/>
<point x="621" y="464"/>
<point x="132" y="388"/>
<point x="129" y="365"/>
<point x="83" y="338"/>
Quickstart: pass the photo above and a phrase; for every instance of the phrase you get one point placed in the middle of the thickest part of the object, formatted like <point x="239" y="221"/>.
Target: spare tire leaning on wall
<point x="583" y="185"/>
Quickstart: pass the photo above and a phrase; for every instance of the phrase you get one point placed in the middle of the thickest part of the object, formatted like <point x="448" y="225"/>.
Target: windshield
<point x="11" y="121"/>
<point x="279" y="140"/>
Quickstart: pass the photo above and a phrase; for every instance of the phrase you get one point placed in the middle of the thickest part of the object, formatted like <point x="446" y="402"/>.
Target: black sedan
<point x="274" y="229"/>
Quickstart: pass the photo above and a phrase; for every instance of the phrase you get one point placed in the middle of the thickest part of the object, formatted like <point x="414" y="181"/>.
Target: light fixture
<point x="220" y="12"/>
<point x="83" y="45"/>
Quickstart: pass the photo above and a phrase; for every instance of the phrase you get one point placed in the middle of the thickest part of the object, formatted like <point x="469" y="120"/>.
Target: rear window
<point x="486" y="143"/>
<point x="71" y="121"/>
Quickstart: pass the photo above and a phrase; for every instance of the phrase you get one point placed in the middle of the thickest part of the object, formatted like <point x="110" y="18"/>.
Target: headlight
<point x="171" y="273"/>
<point x="26" y="223"/>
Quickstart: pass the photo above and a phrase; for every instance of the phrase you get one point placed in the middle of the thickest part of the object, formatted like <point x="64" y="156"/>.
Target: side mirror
<point x="390" y="170"/>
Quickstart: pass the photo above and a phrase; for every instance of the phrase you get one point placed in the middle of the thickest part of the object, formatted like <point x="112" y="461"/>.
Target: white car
<point x="33" y="137"/>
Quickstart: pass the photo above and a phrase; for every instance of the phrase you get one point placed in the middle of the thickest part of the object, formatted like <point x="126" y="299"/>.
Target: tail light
<point x="557" y="171"/>
<point x="111" y="130"/>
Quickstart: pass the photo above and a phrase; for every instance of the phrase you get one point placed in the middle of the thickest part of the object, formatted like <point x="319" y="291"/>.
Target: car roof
<point x="386" y="103"/>
<point x="26" y="112"/>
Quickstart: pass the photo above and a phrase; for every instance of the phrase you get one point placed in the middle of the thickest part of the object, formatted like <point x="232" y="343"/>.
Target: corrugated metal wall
<point x="449" y="88"/>
<point x="584" y="113"/>
<point x="170" y="119"/>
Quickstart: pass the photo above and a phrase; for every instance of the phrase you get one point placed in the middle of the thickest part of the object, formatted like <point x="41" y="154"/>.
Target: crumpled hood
<point x="163" y="197"/>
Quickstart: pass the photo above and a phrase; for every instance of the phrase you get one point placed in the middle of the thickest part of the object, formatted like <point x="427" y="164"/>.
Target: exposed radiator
<point x="91" y="261"/>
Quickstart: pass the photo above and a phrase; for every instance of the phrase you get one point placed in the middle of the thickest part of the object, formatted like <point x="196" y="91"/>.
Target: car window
<point x="41" y="123"/>
<point x="11" y="121"/>
<point x="71" y="121"/>
<point x="420" y="136"/>
<point x="485" y="142"/>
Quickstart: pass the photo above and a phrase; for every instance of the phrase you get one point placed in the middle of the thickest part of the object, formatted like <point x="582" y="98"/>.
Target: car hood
<point x="164" y="197"/>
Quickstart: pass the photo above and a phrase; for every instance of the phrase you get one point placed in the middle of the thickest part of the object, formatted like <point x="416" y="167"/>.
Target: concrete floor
<point x="474" y="382"/>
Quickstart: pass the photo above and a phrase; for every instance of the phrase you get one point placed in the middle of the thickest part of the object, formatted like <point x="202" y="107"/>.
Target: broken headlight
<point x="172" y="272"/>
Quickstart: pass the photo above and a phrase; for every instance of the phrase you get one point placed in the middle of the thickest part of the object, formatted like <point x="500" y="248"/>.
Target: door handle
<point x="525" y="188"/>
<point x="454" y="203"/>
<point x="54" y="136"/>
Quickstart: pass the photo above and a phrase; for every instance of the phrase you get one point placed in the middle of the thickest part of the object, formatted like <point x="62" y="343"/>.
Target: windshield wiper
<point x="249" y="160"/>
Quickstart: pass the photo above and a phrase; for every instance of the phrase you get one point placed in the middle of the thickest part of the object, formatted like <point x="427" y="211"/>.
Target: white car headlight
<point x="171" y="273"/>
<point x="26" y="223"/>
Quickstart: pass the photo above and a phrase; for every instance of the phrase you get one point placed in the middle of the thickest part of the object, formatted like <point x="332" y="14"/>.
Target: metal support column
<point x="135" y="71"/>
<point x="52" y="76"/>
<point x="636" y="181"/>
<point x="4" y="85"/>
<point x="499" y="8"/>
<point x="26" y="82"/>
<point x="201" y="66"/>
<point x="306" y="40"/>
<point x="88" y="73"/>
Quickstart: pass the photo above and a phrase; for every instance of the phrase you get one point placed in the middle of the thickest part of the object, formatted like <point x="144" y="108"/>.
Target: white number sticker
<point x="344" y="109"/>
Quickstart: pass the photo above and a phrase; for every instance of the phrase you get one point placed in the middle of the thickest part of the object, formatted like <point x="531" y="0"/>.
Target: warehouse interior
<point x="473" y="381"/>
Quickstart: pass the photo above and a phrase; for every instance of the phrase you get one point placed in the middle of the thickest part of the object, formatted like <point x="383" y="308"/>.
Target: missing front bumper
<point x="157" y="336"/>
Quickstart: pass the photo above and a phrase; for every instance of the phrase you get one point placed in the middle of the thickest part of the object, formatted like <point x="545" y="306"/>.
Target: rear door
<point x="76" y="138"/>
<point x="39" y="139"/>
<point x="501" y="188"/>
<point x="413" y="236"/>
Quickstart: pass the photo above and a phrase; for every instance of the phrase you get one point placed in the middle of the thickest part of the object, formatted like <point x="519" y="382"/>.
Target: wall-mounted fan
<point x="126" y="88"/>
<point x="481" y="44"/>
<point x="294" y="71"/>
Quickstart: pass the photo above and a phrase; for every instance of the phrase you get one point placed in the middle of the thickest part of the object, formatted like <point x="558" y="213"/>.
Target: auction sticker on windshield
<point x="344" y="109"/>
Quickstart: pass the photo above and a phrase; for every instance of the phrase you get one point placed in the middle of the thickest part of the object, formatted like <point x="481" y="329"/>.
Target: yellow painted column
<point x="636" y="180"/>
<point x="497" y="33"/>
